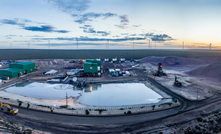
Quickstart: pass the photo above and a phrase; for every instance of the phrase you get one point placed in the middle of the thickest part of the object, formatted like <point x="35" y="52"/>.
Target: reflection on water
<point x="92" y="87"/>
<point x="44" y="90"/>
<point x="118" y="94"/>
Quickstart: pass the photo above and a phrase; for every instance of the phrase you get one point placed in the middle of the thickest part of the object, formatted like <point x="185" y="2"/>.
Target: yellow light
<point x="90" y="67"/>
<point x="91" y="88"/>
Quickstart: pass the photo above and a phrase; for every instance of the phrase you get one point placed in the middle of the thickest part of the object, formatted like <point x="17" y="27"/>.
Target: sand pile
<point x="173" y="61"/>
<point x="212" y="71"/>
<point x="210" y="59"/>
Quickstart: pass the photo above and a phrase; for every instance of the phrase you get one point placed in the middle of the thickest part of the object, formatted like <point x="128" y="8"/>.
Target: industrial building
<point x="92" y="67"/>
<point x="17" y="69"/>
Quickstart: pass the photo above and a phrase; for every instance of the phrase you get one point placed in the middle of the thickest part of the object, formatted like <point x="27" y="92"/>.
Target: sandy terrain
<point x="9" y="54"/>
<point x="196" y="75"/>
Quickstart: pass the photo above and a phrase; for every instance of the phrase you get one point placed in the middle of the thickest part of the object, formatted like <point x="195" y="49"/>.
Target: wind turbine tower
<point x="210" y="45"/>
<point x="107" y="44"/>
<point x="28" y="45"/>
<point x="77" y="42"/>
<point x="149" y="44"/>
<point x="133" y="44"/>
<point x="49" y="44"/>
<point x="183" y="45"/>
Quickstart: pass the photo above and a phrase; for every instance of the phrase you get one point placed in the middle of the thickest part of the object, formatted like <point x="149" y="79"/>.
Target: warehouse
<point x="92" y="67"/>
<point x="28" y="67"/>
<point x="17" y="69"/>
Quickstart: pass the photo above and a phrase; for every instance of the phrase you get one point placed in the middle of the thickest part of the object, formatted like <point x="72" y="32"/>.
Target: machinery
<point x="9" y="109"/>
<point x="177" y="83"/>
<point x="160" y="71"/>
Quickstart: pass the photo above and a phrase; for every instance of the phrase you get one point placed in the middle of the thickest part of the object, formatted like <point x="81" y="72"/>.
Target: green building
<point x="28" y="67"/>
<point x="17" y="69"/>
<point x="92" y="66"/>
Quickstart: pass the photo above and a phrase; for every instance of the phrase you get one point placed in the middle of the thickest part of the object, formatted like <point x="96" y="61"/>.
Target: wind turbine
<point x="29" y="45"/>
<point x="77" y="42"/>
<point x="210" y="45"/>
<point x="107" y="47"/>
<point x="48" y="44"/>
<point x="183" y="45"/>
<point x="133" y="44"/>
<point x="149" y="44"/>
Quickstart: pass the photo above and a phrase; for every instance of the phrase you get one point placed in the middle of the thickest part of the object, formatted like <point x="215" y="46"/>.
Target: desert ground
<point x="199" y="72"/>
<point x="16" y="54"/>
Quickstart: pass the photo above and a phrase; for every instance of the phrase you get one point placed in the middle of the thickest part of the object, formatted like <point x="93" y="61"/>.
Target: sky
<point x="113" y="24"/>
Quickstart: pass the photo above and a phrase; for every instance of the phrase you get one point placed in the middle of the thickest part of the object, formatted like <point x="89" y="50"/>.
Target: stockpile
<point x="212" y="70"/>
<point x="172" y="61"/>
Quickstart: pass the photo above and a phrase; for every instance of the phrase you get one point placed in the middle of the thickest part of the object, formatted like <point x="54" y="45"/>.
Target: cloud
<point x="133" y="35"/>
<point x="44" y="28"/>
<point x="116" y="36"/>
<point x="23" y="22"/>
<point x="157" y="37"/>
<point x="161" y="38"/>
<point x="124" y="19"/>
<point x="90" y="16"/>
<point x="124" y="33"/>
<point x="11" y="22"/>
<point x="71" y="6"/>
<point x="167" y="44"/>
<point x="87" y="25"/>
<point x="11" y="35"/>
<point x="120" y="26"/>
<point x="89" y="30"/>
<point x="103" y="33"/>
<point x="92" y="39"/>
<point x="136" y="25"/>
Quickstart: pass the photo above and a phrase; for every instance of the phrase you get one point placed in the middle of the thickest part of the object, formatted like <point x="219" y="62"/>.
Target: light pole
<point x="66" y="99"/>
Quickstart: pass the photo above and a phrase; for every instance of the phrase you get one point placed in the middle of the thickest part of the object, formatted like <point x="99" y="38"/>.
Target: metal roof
<point x="88" y="63"/>
<point x="23" y="63"/>
<point x="12" y="69"/>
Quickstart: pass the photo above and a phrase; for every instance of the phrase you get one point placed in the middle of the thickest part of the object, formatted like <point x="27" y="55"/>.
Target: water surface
<point x="118" y="94"/>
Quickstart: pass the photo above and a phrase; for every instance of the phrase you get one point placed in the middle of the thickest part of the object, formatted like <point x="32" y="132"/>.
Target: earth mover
<point x="9" y="109"/>
<point x="177" y="83"/>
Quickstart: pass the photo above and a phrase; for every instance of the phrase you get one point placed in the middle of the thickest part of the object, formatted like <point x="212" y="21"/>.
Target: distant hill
<point x="173" y="61"/>
<point x="212" y="71"/>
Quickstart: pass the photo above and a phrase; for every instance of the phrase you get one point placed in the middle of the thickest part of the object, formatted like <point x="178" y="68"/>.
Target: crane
<point x="9" y="109"/>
